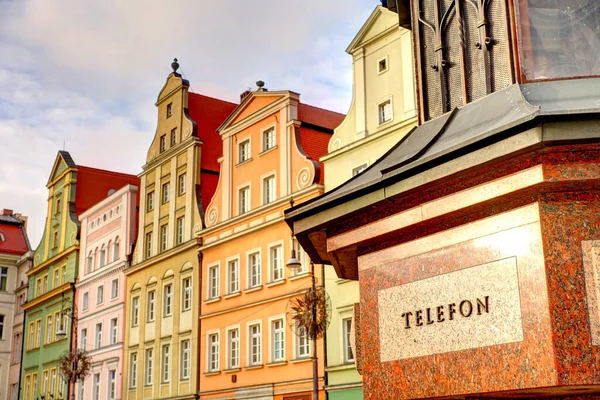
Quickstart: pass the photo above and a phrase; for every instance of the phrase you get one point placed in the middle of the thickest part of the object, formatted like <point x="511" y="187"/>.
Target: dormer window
<point x="382" y="65"/>
<point x="163" y="143"/>
<point x="244" y="151"/>
<point x="169" y="109"/>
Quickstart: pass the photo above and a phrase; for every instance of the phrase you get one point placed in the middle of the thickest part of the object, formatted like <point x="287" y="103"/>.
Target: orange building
<point x="271" y="147"/>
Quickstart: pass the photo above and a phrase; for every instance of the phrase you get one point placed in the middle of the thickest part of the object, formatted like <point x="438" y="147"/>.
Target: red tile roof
<point x="314" y="144"/>
<point x="93" y="186"/>
<point x="319" y="116"/>
<point x="208" y="187"/>
<point x="14" y="238"/>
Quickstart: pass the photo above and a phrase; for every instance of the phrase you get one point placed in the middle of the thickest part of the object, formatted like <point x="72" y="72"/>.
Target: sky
<point x="84" y="75"/>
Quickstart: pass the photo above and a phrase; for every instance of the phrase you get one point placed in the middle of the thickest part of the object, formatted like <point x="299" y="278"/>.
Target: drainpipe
<point x="199" y="305"/>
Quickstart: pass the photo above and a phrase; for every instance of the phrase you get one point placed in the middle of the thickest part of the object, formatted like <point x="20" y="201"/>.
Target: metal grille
<point x="502" y="75"/>
<point x="474" y="60"/>
<point x="431" y="81"/>
<point x="452" y="55"/>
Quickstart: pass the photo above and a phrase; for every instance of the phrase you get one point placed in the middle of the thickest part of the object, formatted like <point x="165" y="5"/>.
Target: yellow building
<point x="383" y="111"/>
<point x="178" y="180"/>
<point x="271" y="144"/>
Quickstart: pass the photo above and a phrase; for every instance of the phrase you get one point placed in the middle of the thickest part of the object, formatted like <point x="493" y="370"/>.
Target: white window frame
<point x="380" y="120"/>
<point x="85" y="300"/>
<point x="133" y="370"/>
<point x="166" y="363"/>
<point x="180" y="229"/>
<point x="135" y="310"/>
<point x="165" y="192"/>
<point x="168" y="299"/>
<point x="98" y="336"/>
<point x="114" y="330"/>
<point x="263" y="137"/>
<point x="241" y="156"/>
<point x="233" y="286"/>
<point x="150" y="201"/>
<point x="100" y="295"/>
<point x="231" y="362"/>
<point x="273" y="337"/>
<point x="111" y="390"/>
<point x="185" y="363"/>
<point x="96" y="386"/>
<point x="249" y="272"/>
<point x="281" y="267"/>
<point x="213" y="350"/>
<point x="247" y="201"/>
<point x="83" y="340"/>
<point x="181" y="183"/>
<point x="114" y="288"/>
<point x="346" y="340"/>
<point x="149" y="366"/>
<point x="164" y="237"/>
<point x="298" y="345"/>
<point x="359" y="168"/>
<point x="267" y="198"/>
<point x="213" y="288"/>
<point x="151" y="305"/>
<point x="186" y="293"/>
<point x="249" y="343"/>
<point x="148" y="244"/>
<point x="387" y="65"/>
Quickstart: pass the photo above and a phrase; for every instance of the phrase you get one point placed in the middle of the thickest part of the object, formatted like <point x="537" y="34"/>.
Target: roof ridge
<point x="211" y="97"/>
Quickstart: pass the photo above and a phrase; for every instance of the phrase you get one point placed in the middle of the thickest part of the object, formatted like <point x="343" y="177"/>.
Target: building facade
<point x="383" y="111"/>
<point x="15" y="259"/>
<point x="107" y="231"/>
<point x="271" y="145"/>
<point x="72" y="189"/>
<point x="163" y="282"/>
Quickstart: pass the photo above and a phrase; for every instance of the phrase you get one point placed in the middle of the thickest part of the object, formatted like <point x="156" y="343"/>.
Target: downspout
<point x="200" y="257"/>
<point x="325" y="373"/>
<point x="22" y="350"/>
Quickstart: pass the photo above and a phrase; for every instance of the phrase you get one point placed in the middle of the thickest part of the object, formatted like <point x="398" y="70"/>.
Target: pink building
<point x="107" y="231"/>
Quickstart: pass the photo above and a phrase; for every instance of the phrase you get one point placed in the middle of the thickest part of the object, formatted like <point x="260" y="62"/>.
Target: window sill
<point x="232" y="370"/>
<point x="275" y="283"/>
<point x="385" y="122"/>
<point x="234" y="294"/>
<point x="277" y="363"/>
<point x="243" y="162"/>
<point x="213" y="300"/>
<point x="300" y="360"/>
<point x="253" y="289"/>
<point x="267" y="151"/>
<point x="301" y="275"/>
<point x="257" y="366"/>
<point x="211" y="373"/>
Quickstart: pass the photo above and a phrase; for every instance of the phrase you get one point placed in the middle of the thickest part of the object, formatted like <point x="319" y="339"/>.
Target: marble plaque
<point x="473" y="307"/>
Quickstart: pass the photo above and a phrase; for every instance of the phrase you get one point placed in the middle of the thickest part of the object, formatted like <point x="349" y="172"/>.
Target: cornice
<point x="119" y="268"/>
<point x="172" y="152"/>
<point x="52" y="260"/>
<point x="47" y="296"/>
<point x="161" y="257"/>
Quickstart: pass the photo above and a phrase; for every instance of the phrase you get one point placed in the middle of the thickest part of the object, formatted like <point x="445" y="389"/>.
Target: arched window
<point x="116" y="249"/>
<point x="102" y="256"/>
<point x="90" y="263"/>
<point x="108" y="250"/>
<point x="95" y="259"/>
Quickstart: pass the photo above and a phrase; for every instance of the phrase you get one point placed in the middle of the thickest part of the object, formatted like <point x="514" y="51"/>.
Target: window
<point x="302" y="343"/>
<point x="100" y="295"/>
<point x="173" y="136"/>
<point x="244" y="200"/>
<point x="44" y="382"/>
<point x="163" y="143"/>
<point x="168" y="300"/>
<point x="180" y="227"/>
<point x="98" y="337"/>
<point x="385" y="111"/>
<point x="85" y="301"/>
<point x="268" y="189"/>
<point x="45" y="284"/>
<point x="38" y="287"/>
<point x="213" y="282"/>
<point x="254" y="271"/>
<point x="255" y="345"/>
<point x="346" y="327"/>
<point x="135" y="311"/>
<point x="213" y="352"/>
<point x="276" y="264"/>
<point x="181" y="184"/>
<point x="57" y="205"/>
<point x="114" y="288"/>
<point x="112" y="384"/>
<point x="166" y="363"/>
<point x="133" y="370"/>
<point x="302" y="257"/>
<point x="151" y="307"/>
<point x="233" y="348"/>
<point x="148" y="244"/>
<point x="83" y="341"/>
<point x="49" y="331"/>
<point x="165" y="192"/>
<point x="382" y="65"/>
<point x="149" y="366"/>
<point x="164" y="230"/>
<point x="55" y="240"/>
<point x="114" y="330"/>
<point x="233" y="276"/>
<point x="33" y="384"/>
<point x="102" y="256"/>
<point x="89" y="269"/>
<point x="3" y="278"/>
<point x="186" y="301"/>
<point x="244" y="151"/>
<point x="64" y="273"/>
<point x="277" y="340"/>
<point x="27" y="386"/>
<point x="185" y="359"/>
<point x="38" y="333"/>
<point x="16" y="350"/>
<point x="116" y="249"/>
<point x="52" y="380"/>
<point x="1" y="327"/>
<point x="31" y="340"/>
<point x="359" y="169"/>
<point x="96" y="387"/>
<point x="150" y="201"/>
<point x="268" y="137"/>
<point x="169" y="109"/>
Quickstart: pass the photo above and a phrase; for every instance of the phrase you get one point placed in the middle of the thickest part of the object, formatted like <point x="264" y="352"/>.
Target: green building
<point x="72" y="189"/>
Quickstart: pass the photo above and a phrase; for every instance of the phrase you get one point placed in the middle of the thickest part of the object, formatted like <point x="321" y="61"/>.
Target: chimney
<point x="22" y="218"/>
<point x="6" y="211"/>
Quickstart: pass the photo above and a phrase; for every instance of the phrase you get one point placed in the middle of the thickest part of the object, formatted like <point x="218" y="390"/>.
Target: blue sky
<point x="87" y="73"/>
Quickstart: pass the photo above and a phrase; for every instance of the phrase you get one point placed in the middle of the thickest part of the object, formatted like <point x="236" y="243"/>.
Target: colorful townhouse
<point x="271" y="146"/>
<point x="15" y="259"/>
<point x="50" y="308"/>
<point x="108" y="230"/>
<point x="163" y="282"/>
<point x="383" y="111"/>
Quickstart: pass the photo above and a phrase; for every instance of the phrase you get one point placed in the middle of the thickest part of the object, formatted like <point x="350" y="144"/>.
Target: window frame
<point x="180" y="222"/>
<point x="114" y="288"/>
<point x="165" y="375"/>
<point x="148" y="244"/>
<point x="100" y="295"/>
<point x="274" y="333"/>
<point x="381" y="108"/>
<point x="162" y="145"/>
<point x="242" y="157"/>
<point x="165" y="192"/>
<point x="268" y="191"/>
<point x="213" y="350"/>
<point x="114" y="331"/>
<point x="169" y="110"/>
<point x="173" y="136"/>
<point x="133" y="369"/>
<point x="387" y="65"/>
<point x="150" y="201"/>
<point x="359" y="168"/>
<point x="185" y="359"/>
<point x="151" y="305"/>
<point x="346" y="347"/>
<point x="186" y="293"/>
<point x="164" y="237"/>
<point x="181" y="184"/>
<point x="247" y="201"/>
<point x="264" y="138"/>
<point x="213" y="291"/>
<point x="168" y="299"/>
<point x="228" y="262"/>
<point x="98" y="336"/>
<point x="135" y="311"/>
<point x="250" y="344"/>
<point x="281" y="268"/>
<point x="231" y="365"/>
<point x="250" y="273"/>
<point x="149" y="366"/>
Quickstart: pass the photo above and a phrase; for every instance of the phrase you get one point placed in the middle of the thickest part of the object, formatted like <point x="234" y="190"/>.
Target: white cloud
<point x="87" y="73"/>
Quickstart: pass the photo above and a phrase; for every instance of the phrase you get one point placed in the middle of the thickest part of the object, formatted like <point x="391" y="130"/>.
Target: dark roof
<point x="461" y="131"/>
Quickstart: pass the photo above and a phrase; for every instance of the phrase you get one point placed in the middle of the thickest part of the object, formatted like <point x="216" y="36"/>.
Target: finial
<point x="175" y="65"/>
<point x="260" y="85"/>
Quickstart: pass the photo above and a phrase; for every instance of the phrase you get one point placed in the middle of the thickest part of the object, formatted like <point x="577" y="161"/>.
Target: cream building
<point x="383" y="111"/>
